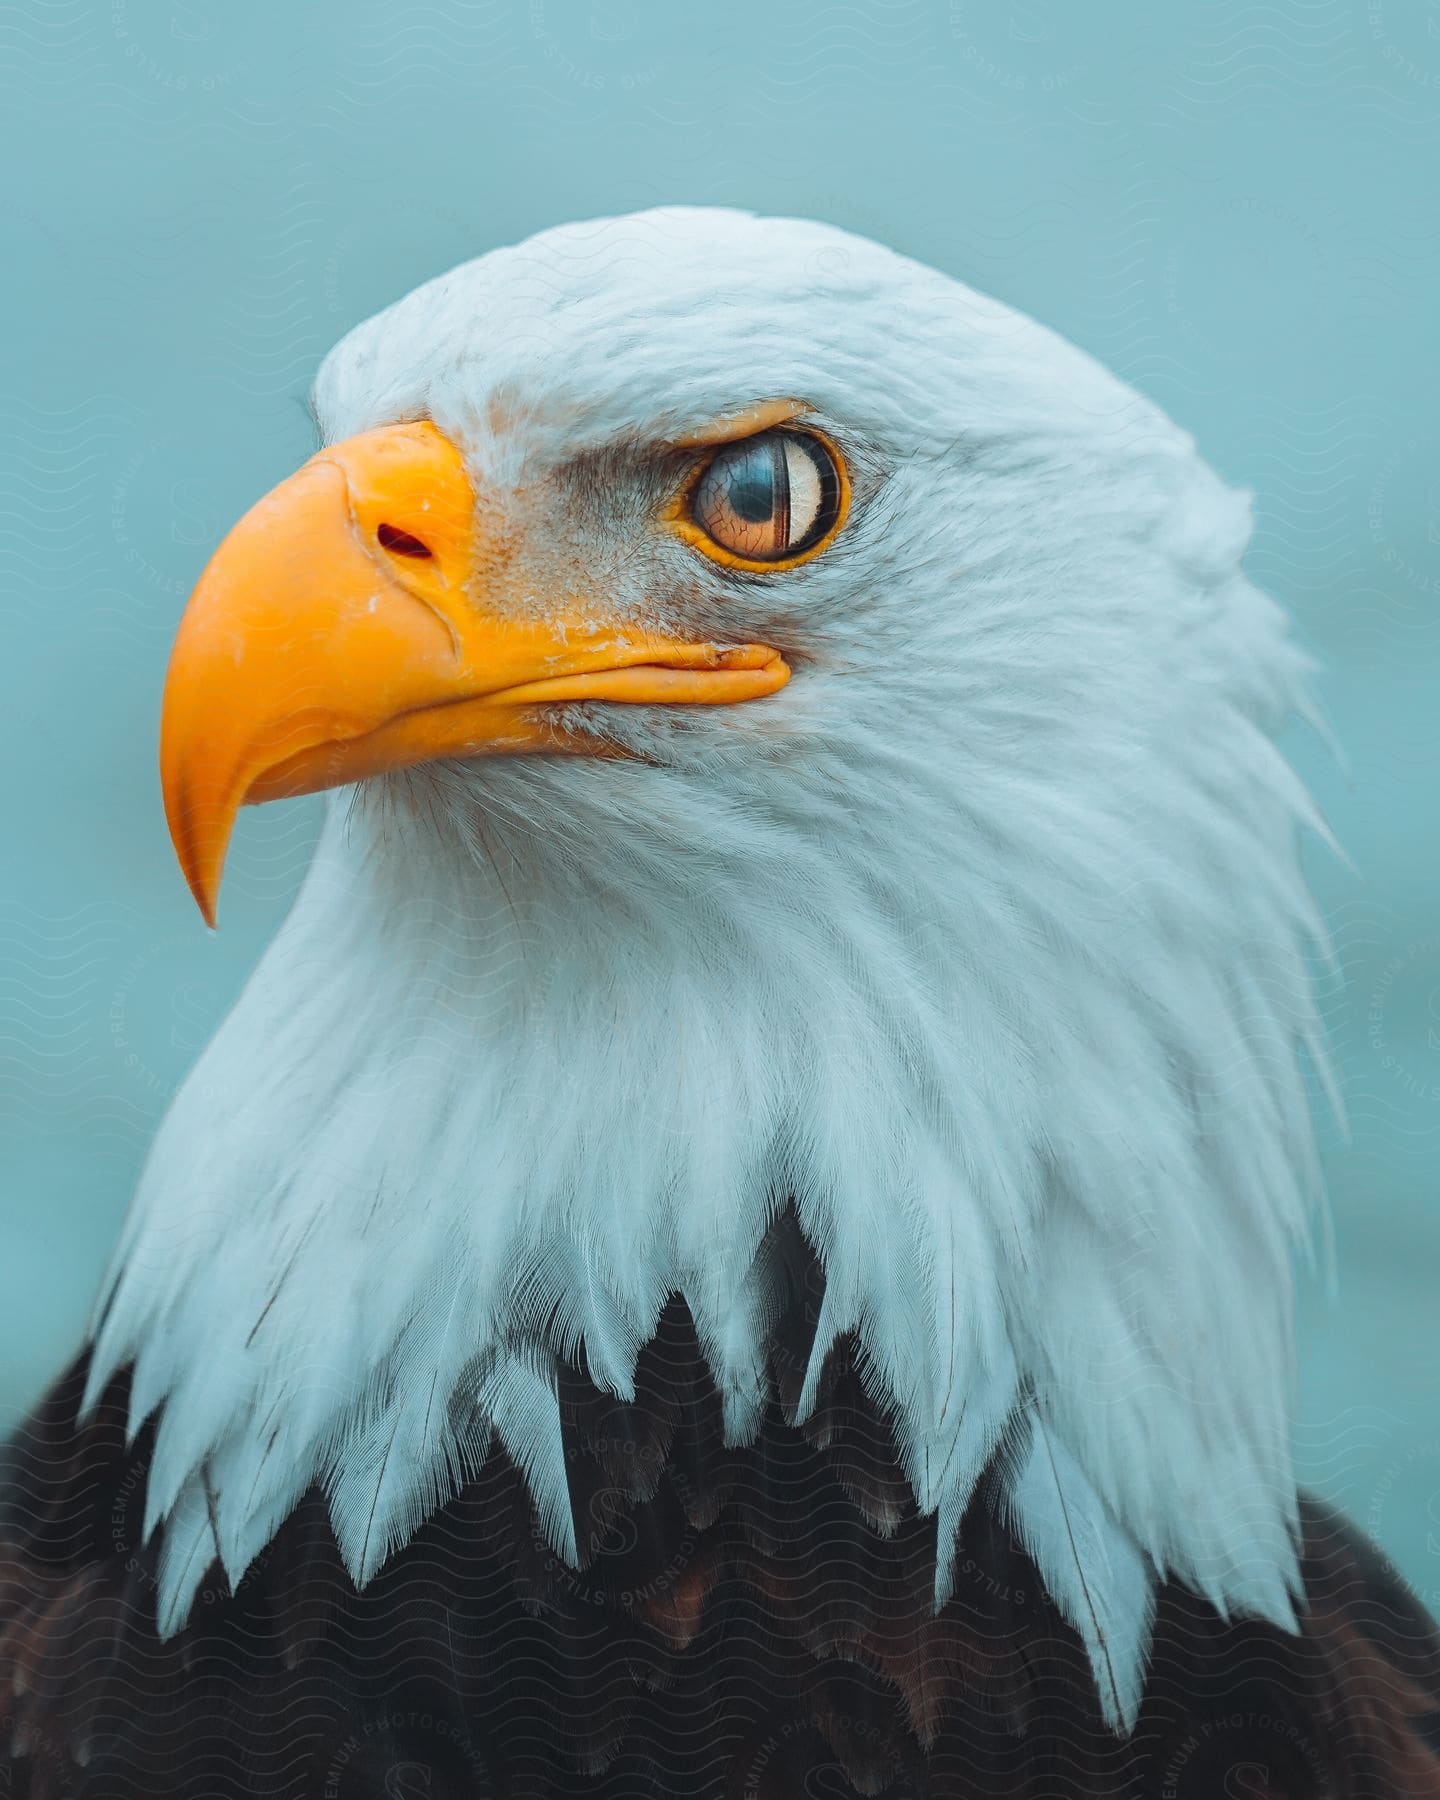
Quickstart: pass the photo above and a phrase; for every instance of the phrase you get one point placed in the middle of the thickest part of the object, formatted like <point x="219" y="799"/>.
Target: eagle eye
<point x="768" y="500"/>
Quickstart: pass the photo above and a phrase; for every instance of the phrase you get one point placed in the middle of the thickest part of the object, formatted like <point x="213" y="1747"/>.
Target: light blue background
<point x="1232" y="205"/>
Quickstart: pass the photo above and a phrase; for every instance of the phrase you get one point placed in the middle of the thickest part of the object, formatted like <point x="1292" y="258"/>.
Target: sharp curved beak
<point x="342" y="630"/>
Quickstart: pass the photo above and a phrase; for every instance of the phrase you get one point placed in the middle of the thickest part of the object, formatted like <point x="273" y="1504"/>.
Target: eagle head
<point x="796" y="733"/>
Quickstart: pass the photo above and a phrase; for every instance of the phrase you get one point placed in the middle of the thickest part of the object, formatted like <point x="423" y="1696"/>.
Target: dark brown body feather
<point x="748" y="1624"/>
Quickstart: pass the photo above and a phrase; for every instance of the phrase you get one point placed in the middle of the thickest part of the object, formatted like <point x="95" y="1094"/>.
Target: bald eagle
<point x="738" y="1241"/>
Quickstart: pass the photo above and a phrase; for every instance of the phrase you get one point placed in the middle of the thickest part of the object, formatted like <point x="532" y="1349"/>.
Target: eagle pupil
<point x="752" y="487"/>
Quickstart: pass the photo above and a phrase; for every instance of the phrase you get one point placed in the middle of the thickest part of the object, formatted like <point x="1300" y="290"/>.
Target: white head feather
<point x="985" y="939"/>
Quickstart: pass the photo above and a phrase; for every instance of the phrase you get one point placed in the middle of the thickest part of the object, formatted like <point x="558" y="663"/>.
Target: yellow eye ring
<point x="833" y="486"/>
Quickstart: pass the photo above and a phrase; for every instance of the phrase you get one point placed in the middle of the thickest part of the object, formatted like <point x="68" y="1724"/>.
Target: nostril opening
<point x="401" y="543"/>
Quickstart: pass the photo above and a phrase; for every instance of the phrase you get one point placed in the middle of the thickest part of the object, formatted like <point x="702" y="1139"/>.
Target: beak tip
<point x="202" y="877"/>
<point x="205" y="893"/>
<point x="201" y="857"/>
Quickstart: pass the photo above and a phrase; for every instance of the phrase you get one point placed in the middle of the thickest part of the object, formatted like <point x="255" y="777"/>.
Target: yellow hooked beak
<point x="347" y="626"/>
